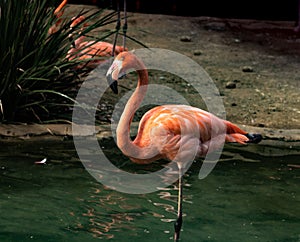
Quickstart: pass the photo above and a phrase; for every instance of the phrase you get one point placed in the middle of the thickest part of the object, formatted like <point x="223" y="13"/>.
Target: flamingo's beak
<point x="113" y="84"/>
<point x="114" y="73"/>
<point x="254" y="138"/>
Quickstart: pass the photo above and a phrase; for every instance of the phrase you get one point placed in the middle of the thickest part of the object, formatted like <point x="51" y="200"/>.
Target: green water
<point x="247" y="197"/>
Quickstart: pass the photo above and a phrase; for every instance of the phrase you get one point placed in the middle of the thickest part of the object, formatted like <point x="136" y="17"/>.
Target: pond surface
<point x="247" y="197"/>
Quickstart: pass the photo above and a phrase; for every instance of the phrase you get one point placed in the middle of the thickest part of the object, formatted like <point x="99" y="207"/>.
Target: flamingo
<point x="174" y="132"/>
<point x="82" y="49"/>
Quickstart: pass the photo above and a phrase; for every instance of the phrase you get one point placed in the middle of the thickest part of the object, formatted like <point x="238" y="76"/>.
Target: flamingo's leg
<point x="178" y="222"/>
<point x="118" y="26"/>
<point x="125" y="26"/>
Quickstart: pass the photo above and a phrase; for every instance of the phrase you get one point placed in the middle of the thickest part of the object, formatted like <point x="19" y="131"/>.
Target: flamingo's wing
<point x="176" y="130"/>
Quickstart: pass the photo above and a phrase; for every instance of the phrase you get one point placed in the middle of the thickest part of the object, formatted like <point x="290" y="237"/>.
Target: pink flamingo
<point x="173" y="132"/>
<point x="82" y="49"/>
<point x="90" y="50"/>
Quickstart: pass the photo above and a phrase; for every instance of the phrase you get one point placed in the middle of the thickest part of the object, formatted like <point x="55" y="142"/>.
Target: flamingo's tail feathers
<point x="232" y="128"/>
<point x="237" y="138"/>
<point x="235" y="134"/>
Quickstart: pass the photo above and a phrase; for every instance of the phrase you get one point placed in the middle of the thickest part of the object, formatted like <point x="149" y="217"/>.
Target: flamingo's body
<point x="173" y="132"/>
<point x="90" y="50"/>
<point x="162" y="127"/>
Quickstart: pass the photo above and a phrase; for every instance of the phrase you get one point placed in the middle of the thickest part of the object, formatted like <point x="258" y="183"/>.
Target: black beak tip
<point x="114" y="87"/>
<point x="254" y="138"/>
<point x="113" y="84"/>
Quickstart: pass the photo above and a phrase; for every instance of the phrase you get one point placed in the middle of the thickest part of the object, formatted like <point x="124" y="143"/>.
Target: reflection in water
<point x="106" y="214"/>
<point x="109" y="213"/>
<point x="104" y="211"/>
<point x="170" y="195"/>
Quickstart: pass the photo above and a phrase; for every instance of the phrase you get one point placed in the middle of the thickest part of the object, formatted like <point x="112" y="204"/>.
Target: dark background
<point x="253" y="9"/>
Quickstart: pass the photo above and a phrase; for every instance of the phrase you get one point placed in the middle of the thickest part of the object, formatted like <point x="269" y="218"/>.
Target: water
<point x="248" y="197"/>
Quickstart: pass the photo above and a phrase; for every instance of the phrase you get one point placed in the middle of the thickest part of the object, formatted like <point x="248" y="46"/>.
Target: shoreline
<point x="25" y="131"/>
<point x="34" y="132"/>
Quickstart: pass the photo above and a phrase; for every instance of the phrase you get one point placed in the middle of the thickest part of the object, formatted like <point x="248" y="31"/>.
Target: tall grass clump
<point x="37" y="82"/>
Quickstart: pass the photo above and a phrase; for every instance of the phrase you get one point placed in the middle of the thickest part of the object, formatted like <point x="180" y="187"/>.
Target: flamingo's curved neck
<point x="124" y="142"/>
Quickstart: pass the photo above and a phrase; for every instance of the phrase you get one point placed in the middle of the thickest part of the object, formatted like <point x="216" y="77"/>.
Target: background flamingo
<point x="173" y="132"/>
<point x="92" y="50"/>
<point x="82" y="49"/>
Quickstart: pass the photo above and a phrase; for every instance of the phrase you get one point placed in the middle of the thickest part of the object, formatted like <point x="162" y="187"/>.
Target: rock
<point x="185" y="38"/>
<point x="247" y="69"/>
<point x="197" y="52"/>
<point x="230" y="85"/>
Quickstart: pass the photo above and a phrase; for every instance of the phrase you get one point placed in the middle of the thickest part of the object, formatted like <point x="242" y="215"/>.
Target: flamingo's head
<point x="118" y="69"/>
